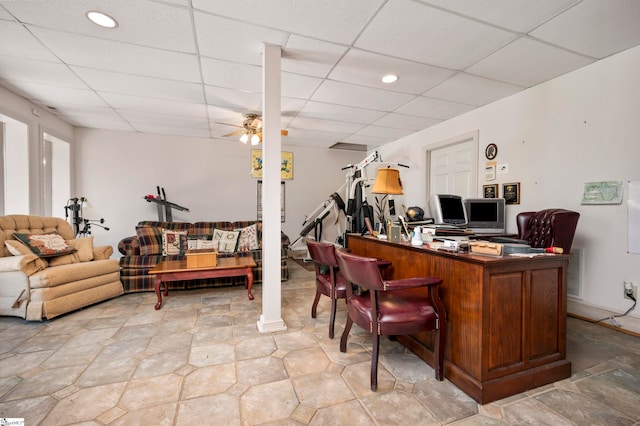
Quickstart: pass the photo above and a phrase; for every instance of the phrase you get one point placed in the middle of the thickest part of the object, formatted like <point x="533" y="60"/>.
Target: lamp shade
<point x="387" y="182"/>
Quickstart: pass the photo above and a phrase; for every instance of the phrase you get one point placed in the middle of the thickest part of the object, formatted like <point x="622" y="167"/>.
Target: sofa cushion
<point x="29" y="264"/>
<point x="84" y="252"/>
<point x="248" y="239"/>
<point x="150" y="239"/>
<point x="172" y="242"/>
<point x="227" y="240"/>
<point x="16" y="248"/>
<point x="45" y="245"/>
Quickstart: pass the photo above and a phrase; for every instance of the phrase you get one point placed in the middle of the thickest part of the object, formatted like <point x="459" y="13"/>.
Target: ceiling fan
<point x="251" y="129"/>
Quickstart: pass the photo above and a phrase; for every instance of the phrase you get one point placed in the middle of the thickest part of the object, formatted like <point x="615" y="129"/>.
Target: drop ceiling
<point x="183" y="67"/>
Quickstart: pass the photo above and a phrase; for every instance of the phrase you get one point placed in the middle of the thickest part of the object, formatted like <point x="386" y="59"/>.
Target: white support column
<point x="271" y="318"/>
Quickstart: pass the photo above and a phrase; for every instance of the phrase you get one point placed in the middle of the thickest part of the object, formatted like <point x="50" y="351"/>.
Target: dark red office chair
<point x="391" y="308"/>
<point x="329" y="280"/>
<point x="548" y="228"/>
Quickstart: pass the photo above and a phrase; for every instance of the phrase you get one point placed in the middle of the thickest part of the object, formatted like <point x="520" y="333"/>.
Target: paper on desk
<point x="529" y="254"/>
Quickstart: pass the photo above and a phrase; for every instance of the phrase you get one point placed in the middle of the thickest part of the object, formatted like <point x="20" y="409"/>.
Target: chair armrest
<point x="407" y="283"/>
<point x="102" y="252"/>
<point x="129" y="246"/>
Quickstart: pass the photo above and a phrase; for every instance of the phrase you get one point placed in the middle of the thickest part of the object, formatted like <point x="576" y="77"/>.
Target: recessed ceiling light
<point x="389" y="78"/>
<point x="102" y="19"/>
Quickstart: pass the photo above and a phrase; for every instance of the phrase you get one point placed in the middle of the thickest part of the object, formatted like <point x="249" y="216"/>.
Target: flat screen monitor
<point x="447" y="209"/>
<point x="485" y="215"/>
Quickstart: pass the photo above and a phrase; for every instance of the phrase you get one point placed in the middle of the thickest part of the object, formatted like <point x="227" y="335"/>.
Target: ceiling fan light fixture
<point x="102" y="19"/>
<point x="244" y="138"/>
<point x="255" y="139"/>
<point x="389" y="78"/>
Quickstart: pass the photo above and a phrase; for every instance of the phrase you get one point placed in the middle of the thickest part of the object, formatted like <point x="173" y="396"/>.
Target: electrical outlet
<point x="634" y="290"/>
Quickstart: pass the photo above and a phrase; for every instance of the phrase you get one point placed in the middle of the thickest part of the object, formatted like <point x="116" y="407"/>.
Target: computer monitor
<point x="485" y="215"/>
<point x="447" y="209"/>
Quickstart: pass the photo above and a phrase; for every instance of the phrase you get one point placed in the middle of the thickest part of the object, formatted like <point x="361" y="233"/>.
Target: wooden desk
<point x="506" y="315"/>
<point x="177" y="270"/>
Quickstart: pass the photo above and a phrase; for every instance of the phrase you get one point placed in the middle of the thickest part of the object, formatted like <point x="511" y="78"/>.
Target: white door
<point x="453" y="167"/>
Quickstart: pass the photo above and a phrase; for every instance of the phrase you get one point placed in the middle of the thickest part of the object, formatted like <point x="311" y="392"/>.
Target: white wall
<point x="115" y="170"/>
<point x="581" y="127"/>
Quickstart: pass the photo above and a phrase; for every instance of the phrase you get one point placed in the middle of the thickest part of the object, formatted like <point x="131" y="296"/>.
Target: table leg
<point x="156" y="285"/>
<point x="250" y="282"/>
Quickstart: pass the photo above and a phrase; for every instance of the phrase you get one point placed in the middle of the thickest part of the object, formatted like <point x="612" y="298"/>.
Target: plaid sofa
<point x="135" y="266"/>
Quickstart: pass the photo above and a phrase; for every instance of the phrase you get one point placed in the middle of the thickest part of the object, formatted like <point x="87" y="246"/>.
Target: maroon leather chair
<point x="329" y="280"/>
<point x="391" y="308"/>
<point x="548" y="228"/>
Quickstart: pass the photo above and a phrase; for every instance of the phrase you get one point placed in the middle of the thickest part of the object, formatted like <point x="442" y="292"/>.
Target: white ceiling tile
<point x="115" y="56"/>
<point x="366" y="69"/>
<point x="379" y="131"/>
<point x="298" y="86"/>
<point x="516" y="15"/>
<point x="5" y="15"/>
<point x="433" y="108"/>
<point x="142" y="23"/>
<point x="23" y="44"/>
<point x="407" y="122"/>
<point x="234" y="99"/>
<point x="368" y="140"/>
<point x="231" y="40"/>
<point x="50" y="73"/>
<point x="88" y="112"/>
<point x="307" y="56"/>
<point x="169" y="130"/>
<point x="332" y="20"/>
<point x="324" y="125"/>
<point x="94" y="123"/>
<point x="429" y="35"/>
<point x="472" y="90"/>
<point x="127" y="84"/>
<point x="302" y="132"/>
<point x="358" y="96"/>
<point x="595" y="27"/>
<point x="55" y="95"/>
<point x="232" y="75"/>
<point x="171" y="120"/>
<point x="527" y="62"/>
<point x="159" y="106"/>
<point x="339" y="113"/>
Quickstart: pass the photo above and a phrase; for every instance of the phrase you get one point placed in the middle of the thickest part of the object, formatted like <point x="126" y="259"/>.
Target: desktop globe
<point x="415" y="214"/>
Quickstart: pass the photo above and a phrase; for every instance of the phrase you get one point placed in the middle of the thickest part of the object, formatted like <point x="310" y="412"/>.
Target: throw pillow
<point x="45" y="245"/>
<point x="227" y="240"/>
<point x="84" y="252"/>
<point x="16" y="248"/>
<point x="172" y="242"/>
<point x="248" y="239"/>
<point x="150" y="239"/>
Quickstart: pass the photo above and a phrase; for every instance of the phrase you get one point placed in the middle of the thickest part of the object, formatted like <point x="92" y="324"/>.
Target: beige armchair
<point x="37" y="288"/>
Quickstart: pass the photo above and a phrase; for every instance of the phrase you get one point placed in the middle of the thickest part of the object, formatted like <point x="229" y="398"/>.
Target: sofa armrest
<point x="129" y="246"/>
<point x="102" y="252"/>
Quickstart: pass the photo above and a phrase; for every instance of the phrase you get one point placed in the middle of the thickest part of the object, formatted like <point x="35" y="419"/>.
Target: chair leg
<point x="345" y="334"/>
<point x="314" y="307"/>
<point x="332" y="319"/>
<point x="374" y="361"/>
<point x="438" y="350"/>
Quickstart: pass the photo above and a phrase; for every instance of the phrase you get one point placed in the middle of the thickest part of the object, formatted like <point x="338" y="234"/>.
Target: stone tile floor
<point x="200" y="361"/>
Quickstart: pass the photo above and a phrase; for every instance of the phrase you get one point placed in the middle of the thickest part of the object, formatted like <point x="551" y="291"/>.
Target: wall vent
<point x="575" y="273"/>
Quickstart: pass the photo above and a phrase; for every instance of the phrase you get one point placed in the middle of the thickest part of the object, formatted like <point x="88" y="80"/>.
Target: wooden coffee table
<point x="177" y="270"/>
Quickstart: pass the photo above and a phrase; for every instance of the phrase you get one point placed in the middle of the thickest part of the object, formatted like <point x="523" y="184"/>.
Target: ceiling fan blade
<point x="228" y="124"/>
<point x="284" y="132"/>
<point x="237" y="132"/>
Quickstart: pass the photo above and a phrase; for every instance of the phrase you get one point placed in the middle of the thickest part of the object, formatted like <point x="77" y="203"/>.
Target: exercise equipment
<point x="164" y="215"/>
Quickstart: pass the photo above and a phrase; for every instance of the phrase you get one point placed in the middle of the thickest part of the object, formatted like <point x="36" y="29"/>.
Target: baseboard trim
<point x="628" y="325"/>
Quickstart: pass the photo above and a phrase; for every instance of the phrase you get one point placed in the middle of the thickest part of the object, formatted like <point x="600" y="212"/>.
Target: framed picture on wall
<point x="490" y="191"/>
<point x="511" y="193"/>
<point x="286" y="164"/>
